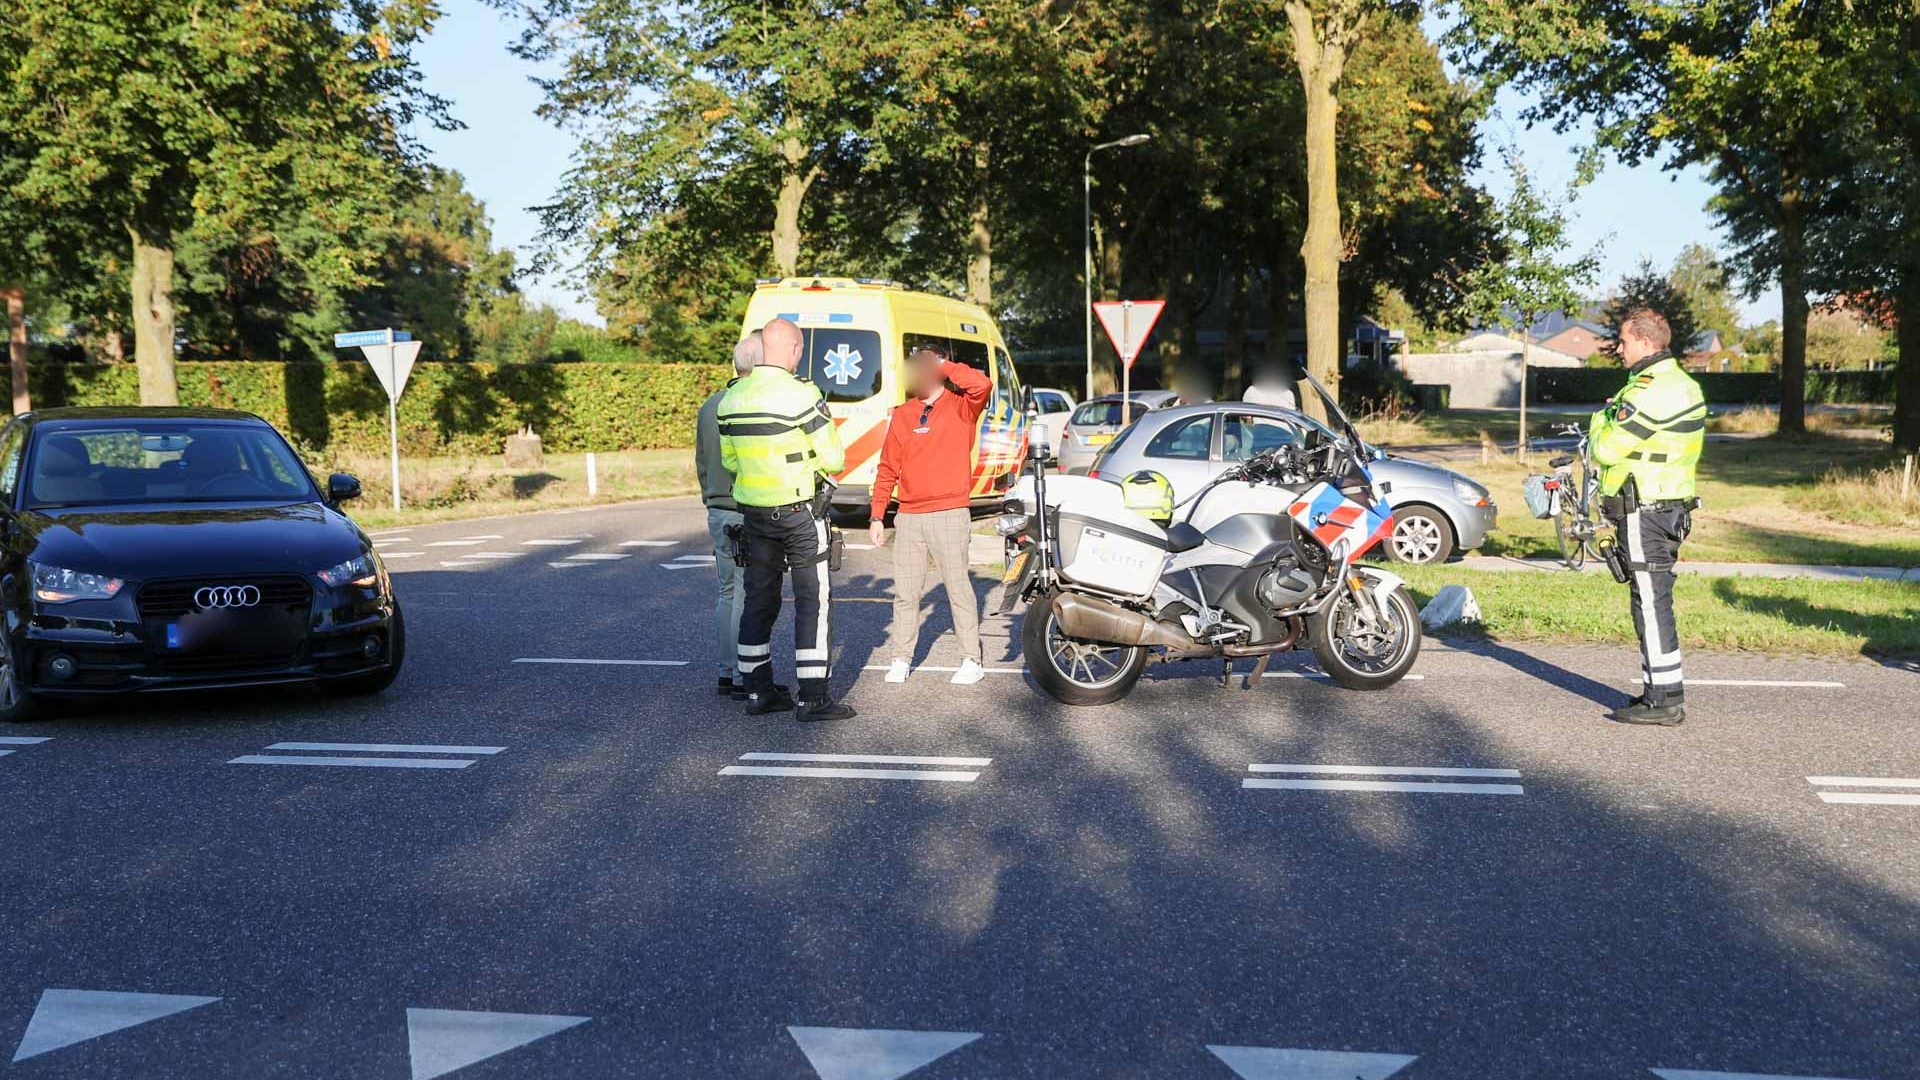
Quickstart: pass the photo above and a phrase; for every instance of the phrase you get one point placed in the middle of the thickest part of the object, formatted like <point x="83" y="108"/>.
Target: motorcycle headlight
<point x="359" y="570"/>
<point x="1012" y="524"/>
<point x="57" y="585"/>
<point x="1469" y="492"/>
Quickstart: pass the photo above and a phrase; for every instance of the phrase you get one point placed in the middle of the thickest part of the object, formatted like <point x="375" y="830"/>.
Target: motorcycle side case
<point x="1102" y="544"/>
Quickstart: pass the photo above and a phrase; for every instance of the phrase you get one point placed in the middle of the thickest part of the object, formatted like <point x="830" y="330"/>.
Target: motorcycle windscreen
<point x="1330" y="517"/>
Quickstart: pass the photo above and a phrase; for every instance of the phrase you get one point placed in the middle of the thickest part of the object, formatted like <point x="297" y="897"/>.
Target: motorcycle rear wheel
<point x="1072" y="671"/>
<point x="1360" y="661"/>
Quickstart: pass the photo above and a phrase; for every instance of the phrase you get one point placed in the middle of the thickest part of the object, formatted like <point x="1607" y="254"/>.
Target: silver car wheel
<point x="1416" y="539"/>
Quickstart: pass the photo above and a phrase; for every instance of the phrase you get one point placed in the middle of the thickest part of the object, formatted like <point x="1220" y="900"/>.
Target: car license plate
<point x="1100" y="439"/>
<point x="1015" y="567"/>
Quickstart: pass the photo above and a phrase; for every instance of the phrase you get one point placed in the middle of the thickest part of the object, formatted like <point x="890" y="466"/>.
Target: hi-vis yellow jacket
<point x="1652" y="431"/>
<point x="776" y="437"/>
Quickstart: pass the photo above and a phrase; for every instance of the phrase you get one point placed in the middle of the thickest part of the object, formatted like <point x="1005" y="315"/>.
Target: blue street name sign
<point x="369" y="337"/>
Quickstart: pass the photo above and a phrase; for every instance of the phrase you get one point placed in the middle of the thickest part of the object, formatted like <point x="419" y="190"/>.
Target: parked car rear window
<point x="163" y="462"/>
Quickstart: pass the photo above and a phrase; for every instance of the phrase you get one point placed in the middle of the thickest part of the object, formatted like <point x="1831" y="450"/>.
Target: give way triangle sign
<point x="392" y="363"/>
<point x="1128" y="323"/>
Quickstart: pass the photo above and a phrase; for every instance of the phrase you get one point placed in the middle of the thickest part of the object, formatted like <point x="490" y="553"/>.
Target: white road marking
<point x="549" y="543"/>
<point x="460" y="562"/>
<point x="1863" y="781"/>
<point x="387" y="748"/>
<point x="950" y="670"/>
<point x="484" y="536"/>
<point x="401" y="554"/>
<point x="353" y="762"/>
<point x="1414" y="677"/>
<point x="694" y="559"/>
<point x="586" y="660"/>
<point x="874" y="1053"/>
<point x="1383" y="770"/>
<point x="649" y="543"/>
<point x="567" y="565"/>
<point x="440" y="1041"/>
<point x="1386" y="785"/>
<point x="24" y="740"/>
<point x="1869" y="798"/>
<point x="1273" y="1063"/>
<point x="597" y="556"/>
<point x="873" y="759"/>
<point x="1698" y="1074"/>
<point x="65" y="1017"/>
<point x="475" y="542"/>
<point x="495" y="555"/>
<point x="1803" y="684"/>
<point x="683" y="566"/>
<point x="850" y="774"/>
<point x="4" y="753"/>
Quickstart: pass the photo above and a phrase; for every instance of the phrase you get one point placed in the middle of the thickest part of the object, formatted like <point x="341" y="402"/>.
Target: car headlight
<point x="1469" y="492"/>
<point x="359" y="570"/>
<point x="57" y="585"/>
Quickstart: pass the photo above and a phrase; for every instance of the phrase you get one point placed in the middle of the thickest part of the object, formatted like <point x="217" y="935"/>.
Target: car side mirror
<point x="342" y="486"/>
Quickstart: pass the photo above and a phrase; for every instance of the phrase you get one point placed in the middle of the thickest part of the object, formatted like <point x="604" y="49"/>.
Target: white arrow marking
<point x="1695" y="1074"/>
<point x="65" y="1017"/>
<point x="874" y="1053"/>
<point x="442" y="1040"/>
<point x="1698" y="1075"/>
<point x="1267" y="1063"/>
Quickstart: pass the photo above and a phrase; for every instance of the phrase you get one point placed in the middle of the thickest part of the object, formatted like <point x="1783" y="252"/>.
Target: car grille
<point x="172" y="599"/>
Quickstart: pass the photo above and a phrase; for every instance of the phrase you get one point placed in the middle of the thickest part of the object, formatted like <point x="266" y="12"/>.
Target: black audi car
<point x="155" y="549"/>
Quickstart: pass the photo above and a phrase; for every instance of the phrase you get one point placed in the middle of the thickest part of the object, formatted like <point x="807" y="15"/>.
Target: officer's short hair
<point x="1649" y="326"/>
<point x="748" y="354"/>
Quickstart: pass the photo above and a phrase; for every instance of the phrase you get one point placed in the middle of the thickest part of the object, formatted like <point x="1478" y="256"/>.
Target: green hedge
<point x="1580" y="386"/>
<point x="469" y="408"/>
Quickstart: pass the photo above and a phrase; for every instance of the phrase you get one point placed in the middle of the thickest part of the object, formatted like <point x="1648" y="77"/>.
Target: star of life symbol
<point x="843" y="364"/>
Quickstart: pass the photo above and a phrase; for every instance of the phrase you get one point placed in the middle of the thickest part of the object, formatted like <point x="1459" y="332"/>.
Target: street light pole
<point x="1086" y="191"/>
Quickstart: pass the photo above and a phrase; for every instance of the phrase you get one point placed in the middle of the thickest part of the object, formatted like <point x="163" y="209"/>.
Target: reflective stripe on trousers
<point x="1652" y="538"/>
<point x="797" y="540"/>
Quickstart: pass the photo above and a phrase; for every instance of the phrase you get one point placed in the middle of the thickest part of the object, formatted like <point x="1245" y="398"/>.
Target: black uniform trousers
<point x="777" y="540"/>
<point x="1651" y="537"/>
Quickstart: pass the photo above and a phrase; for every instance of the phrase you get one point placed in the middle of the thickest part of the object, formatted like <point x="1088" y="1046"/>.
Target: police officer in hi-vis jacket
<point x="1646" y="442"/>
<point x="779" y="443"/>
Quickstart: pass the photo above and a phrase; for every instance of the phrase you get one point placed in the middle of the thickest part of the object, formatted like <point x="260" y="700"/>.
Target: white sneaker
<point x="970" y="672"/>
<point x="897" y="671"/>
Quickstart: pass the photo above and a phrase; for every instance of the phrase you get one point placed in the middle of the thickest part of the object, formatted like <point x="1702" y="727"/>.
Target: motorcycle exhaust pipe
<point x="1097" y="620"/>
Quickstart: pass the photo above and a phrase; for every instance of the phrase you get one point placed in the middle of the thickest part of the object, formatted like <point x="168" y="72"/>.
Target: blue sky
<point x="513" y="161"/>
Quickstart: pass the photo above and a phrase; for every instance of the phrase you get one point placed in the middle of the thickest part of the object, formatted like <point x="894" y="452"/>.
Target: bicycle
<point x="1575" y="519"/>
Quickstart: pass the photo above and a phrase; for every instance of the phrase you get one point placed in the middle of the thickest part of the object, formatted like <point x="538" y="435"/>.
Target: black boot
<point x="730" y="689"/>
<point x="773" y="701"/>
<point x="826" y="709"/>
<point x="1641" y="711"/>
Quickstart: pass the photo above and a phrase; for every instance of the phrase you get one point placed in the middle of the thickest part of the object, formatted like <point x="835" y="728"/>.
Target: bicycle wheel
<point x="1567" y="526"/>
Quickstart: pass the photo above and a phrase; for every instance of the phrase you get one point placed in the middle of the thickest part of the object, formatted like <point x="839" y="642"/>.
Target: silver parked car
<point x="1436" y="511"/>
<point x="1051" y="410"/>
<point x="1095" y="424"/>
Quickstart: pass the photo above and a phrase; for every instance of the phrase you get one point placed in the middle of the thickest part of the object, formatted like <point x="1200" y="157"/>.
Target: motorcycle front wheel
<point x="1366" y="656"/>
<point x="1073" y="671"/>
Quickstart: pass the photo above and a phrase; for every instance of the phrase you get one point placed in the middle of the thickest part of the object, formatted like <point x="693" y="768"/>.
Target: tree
<point x="1649" y="288"/>
<point x="1525" y="271"/>
<point x="150" y="120"/>
<point x="1750" y="89"/>
<point x="1324" y="33"/>
<point x="1701" y="279"/>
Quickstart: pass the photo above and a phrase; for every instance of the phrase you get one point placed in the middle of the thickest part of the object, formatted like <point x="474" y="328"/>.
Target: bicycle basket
<point x="1539" y="490"/>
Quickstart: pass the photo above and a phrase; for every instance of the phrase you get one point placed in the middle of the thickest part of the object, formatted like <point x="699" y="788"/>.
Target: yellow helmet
<point x="1149" y="494"/>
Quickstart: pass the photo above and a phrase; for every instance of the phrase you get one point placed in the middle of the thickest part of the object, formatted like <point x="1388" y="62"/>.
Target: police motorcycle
<point x="1261" y="561"/>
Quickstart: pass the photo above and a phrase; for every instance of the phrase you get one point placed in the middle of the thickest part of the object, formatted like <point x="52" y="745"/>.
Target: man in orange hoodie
<point x="928" y="454"/>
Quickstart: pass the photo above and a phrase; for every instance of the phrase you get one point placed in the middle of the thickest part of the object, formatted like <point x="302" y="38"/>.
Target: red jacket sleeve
<point x="889" y="470"/>
<point x="974" y="385"/>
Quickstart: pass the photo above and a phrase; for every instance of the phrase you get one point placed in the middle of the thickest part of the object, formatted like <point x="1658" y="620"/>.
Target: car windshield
<point x="163" y="461"/>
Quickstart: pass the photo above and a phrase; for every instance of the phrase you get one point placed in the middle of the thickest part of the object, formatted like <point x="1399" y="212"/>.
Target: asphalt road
<point x="588" y="873"/>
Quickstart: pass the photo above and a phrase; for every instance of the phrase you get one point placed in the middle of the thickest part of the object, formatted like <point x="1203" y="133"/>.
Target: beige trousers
<point x="937" y="540"/>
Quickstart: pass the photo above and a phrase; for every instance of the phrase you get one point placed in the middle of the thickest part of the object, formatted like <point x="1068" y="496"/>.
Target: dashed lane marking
<point x="942" y="669"/>
<point x="337" y="759"/>
<point x="648" y="543"/>
<point x="1424" y="787"/>
<point x="550" y="543"/>
<point x="387" y="748"/>
<point x="459" y="543"/>
<point x="495" y="555"/>
<point x="592" y="662"/>
<point x="842" y="771"/>
<point x="567" y="565"/>
<point x="1867" y="798"/>
<point x="598" y="556"/>
<point x="1317" y="674"/>
<point x="1797" y="684"/>
<point x="401" y="554"/>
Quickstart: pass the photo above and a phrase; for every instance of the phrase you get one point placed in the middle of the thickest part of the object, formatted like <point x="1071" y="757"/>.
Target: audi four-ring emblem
<point x="226" y="596"/>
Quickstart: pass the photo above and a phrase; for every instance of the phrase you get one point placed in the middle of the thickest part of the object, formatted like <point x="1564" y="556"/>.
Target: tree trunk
<point x="980" y="236"/>
<point x="1526" y="357"/>
<point x="1906" y="408"/>
<point x="1320" y="67"/>
<point x="795" y="178"/>
<point x="1233" y="369"/>
<point x="1793" y="314"/>
<point x="153" y="318"/>
<point x="17" y="347"/>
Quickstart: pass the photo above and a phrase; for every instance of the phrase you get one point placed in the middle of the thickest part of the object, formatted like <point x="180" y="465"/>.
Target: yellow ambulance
<point x="858" y="334"/>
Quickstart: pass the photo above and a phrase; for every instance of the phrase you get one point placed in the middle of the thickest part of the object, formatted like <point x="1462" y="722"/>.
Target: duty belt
<point x="778" y="512"/>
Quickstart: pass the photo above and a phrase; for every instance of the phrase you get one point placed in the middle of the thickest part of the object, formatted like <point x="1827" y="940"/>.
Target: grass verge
<point x="1798" y="617"/>
<point x="451" y="488"/>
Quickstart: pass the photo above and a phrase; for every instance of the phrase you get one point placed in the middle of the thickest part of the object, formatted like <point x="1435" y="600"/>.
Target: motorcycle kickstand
<point x="1259" y="671"/>
<point x="1226" y="672"/>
